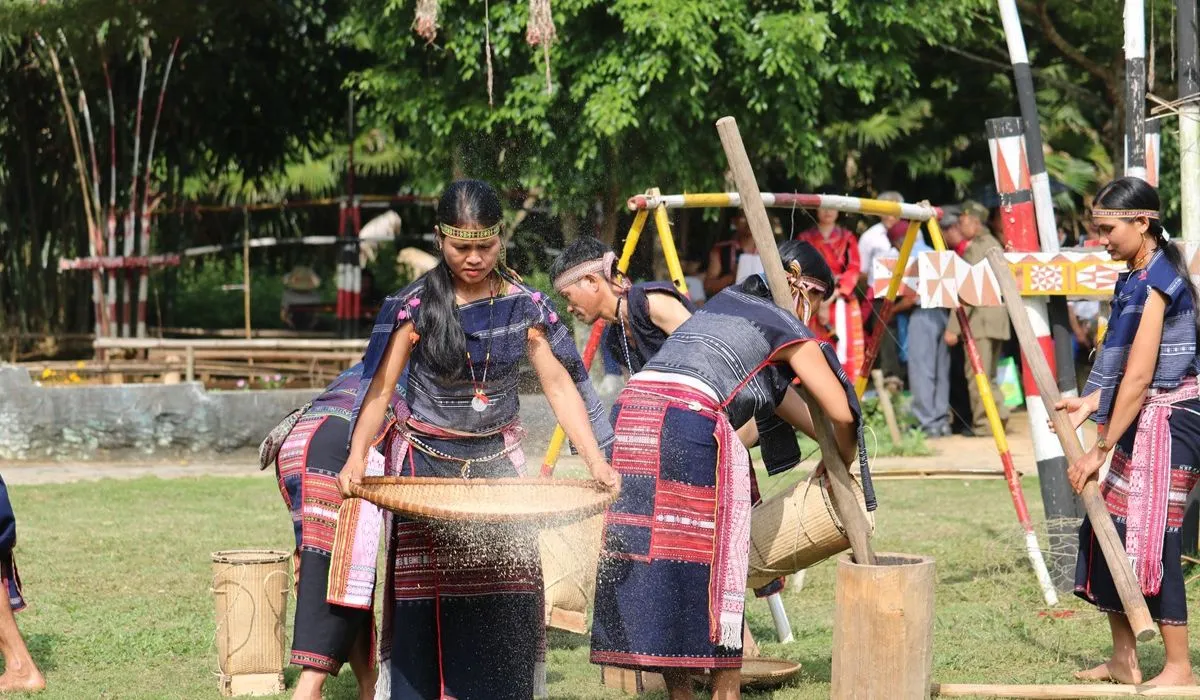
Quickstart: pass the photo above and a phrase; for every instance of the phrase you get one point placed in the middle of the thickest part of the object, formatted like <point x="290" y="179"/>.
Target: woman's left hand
<point x="1086" y="468"/>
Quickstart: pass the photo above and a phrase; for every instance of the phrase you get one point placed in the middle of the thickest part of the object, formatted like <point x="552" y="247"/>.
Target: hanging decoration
<point x="487" y="29"/>
<point x="426" y="22"/>
<point x="540" y="32"/>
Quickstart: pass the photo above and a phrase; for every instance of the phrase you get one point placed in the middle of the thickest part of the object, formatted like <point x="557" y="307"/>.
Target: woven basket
<point x="796" y="529"/>
<point x="543" y="502"/>
<point x="569" y="558"/>
<point x="250" y="590"/>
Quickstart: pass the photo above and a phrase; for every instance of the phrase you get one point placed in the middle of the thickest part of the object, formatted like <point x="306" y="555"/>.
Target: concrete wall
<point x="107" y="422"/>
<point x="137" y="421"/>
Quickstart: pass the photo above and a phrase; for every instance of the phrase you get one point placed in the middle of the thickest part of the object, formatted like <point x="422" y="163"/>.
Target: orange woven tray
<point x="545" y="502"/>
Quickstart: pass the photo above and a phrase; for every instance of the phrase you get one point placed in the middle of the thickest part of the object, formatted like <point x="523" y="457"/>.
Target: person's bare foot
<point x="26" y="682"/>
<point x="1111" y="671"/>
<point x="1174" y="675"/>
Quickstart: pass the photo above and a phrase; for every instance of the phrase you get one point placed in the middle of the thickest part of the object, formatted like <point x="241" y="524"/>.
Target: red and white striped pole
<point x="1153" y="151"/>
<point x="1011" y="171"/>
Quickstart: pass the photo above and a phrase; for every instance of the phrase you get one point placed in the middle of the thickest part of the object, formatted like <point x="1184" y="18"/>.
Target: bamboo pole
<point x="1044" y="692"/>
<point x="1188" y="78"/>
<point x="888" y="309"/>
<point x="1102" y="524"/>
<point x="131" y="219"/>
<point x="144" y="275"/>
<point x="841" y="491"/>
<point x="885" y="403"/>
<point x="111" y="217"/>
<point x="1135" y="88"/>
<point x="246" y="270"/>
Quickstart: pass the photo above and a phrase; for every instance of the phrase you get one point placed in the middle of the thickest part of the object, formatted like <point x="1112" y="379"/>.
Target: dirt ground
<point x="952" y="454"/>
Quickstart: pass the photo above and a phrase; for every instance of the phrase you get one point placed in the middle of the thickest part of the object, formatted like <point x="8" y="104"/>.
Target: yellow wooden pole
<point x="631" y="241"/>
<point x="889" y="297"/>
<point x="663" y="224"/>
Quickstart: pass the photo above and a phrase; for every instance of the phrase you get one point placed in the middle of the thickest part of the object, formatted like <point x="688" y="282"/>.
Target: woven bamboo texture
<point x="763" y="673"/>
<point x="543" y="502"/>
<point x="250" y="591"/>
<point x="796" y="529"/>
<point x="569" y="558"/>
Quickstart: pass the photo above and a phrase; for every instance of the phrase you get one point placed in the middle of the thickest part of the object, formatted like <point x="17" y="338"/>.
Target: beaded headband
<point x="1124" y="213"/>
<point x="598" y="266"/>
<point x="463" y="234"/>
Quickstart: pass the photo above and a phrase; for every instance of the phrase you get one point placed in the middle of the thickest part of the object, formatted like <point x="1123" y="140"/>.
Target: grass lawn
<point x="118" y="576"/>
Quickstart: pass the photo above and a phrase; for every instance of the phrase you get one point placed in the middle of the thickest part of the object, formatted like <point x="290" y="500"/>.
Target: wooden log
<point x="883" y="628"/>
<point x="845" y="503"/>
<point x="190" y="369"/>
<point x="885" y="402"/>
<point x="231" y="344"/>
<point x="1040" y="692"/>
<point x="1102" y="524"/>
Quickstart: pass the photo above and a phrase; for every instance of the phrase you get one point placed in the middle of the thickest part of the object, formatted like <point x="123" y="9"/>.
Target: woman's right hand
<point x="605" y="475"/>
<point x="1078" y="410"/>
<point x="352" y="472"/>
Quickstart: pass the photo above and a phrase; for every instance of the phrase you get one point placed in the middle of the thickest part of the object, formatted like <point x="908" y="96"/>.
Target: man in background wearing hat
<point x="297" y="305"/>
<point x="989" y="324"/>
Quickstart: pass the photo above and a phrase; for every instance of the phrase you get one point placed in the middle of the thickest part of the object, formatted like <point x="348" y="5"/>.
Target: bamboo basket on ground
<point x="569" y="559"/>
<point x="544" y="503"/>
<point x="250" y="591"/>
<point x="796" y="529"/>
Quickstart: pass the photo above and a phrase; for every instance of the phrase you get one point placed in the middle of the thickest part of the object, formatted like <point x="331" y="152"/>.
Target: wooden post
<point x="1110" y="543"/>
<point x="246" y="268"/>
<point x="845" y="502"/>
<point x="1188" y="79"/>
<point x="883" y="628"/>
<point x="885" y="403"/>
<point x="190" y="366"/>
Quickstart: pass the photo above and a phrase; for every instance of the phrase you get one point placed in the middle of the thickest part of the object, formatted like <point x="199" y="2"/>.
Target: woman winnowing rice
<point x="671" y="582"/>
<point x="460" y="623"/>
<point x="1143" y="395"/>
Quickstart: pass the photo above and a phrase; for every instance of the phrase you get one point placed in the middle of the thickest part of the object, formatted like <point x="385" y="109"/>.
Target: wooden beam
<point x="845" y="503"/>
<point x="1102" y="524"/>
<point x="1041" y="692"/>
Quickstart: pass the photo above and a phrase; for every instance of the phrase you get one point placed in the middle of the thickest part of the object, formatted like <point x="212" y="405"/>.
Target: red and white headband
<point x="601" y="267"/>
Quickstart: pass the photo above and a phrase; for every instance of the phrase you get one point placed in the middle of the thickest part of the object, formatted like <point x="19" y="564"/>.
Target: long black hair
<point x="443" y="343"/>
<point x="812" y="264"/>
<point x="1135" y="193"/>
<point x="581" y="250"/>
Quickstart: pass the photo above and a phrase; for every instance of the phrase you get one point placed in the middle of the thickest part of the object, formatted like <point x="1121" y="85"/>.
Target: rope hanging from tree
<point x="540" y="32"/>
<point x="426" y="22"/>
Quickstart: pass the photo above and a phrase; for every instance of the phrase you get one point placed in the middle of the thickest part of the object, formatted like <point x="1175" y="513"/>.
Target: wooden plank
<point x="845" y="502"/>
<point x="229" y="345"/>
<point x="1041" y="692"/>
<point x="1102" y="524"/>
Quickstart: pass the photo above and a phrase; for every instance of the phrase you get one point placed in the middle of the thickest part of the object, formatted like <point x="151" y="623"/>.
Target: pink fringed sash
<point x="1150" y="486"/>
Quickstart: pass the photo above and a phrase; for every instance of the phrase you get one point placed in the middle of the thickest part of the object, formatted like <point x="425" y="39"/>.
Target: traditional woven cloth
<point x="8" y="541"/>
<point x="677" y="538"/>
<point x="1177" y="349"/>
<point x="1150" y="485"/>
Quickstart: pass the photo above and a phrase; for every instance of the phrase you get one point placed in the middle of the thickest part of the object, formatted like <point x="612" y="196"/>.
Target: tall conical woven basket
<point x="250" y="591"/>
<point x="796" y="529"/>
<point x="569" y="557"/>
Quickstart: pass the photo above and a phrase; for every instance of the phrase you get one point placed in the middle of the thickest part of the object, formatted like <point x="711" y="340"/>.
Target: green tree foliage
<point x="639" y="84"/>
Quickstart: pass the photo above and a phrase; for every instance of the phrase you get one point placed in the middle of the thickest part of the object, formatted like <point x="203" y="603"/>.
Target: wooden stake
<point x="1102" y="524"/>
<point x="1039" y="692"/>
<point x="246" y="269"/>
<point x="842" y="494"/>
<point x="885" y="403"/>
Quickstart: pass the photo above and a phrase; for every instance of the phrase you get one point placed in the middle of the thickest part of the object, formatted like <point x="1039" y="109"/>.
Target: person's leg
<point x="1178" y="668"/>
<point x="308" y="686"/>
<point x="941" y="376"/>
<point x="21" y="674"/>
<point x="679" y="684"/>
<point x="1123" y="666"/>
<point x="727" y="684"/>
<point x="361" y="663"/>
<point x="921" y="367"/>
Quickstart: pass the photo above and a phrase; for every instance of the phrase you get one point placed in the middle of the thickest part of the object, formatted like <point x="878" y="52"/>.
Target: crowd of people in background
<point x="921" y="352"/>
